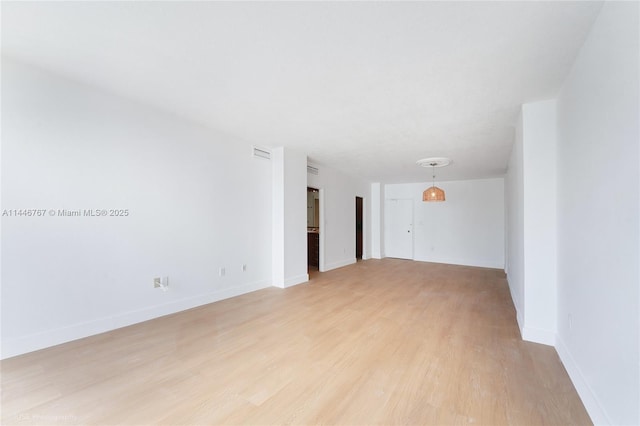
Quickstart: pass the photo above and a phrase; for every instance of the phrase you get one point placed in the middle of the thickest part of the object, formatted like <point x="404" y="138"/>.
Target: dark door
<point x="358" y="227"/>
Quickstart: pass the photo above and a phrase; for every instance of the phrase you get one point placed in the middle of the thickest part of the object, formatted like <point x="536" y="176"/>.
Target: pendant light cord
<point x="433" y="173"/>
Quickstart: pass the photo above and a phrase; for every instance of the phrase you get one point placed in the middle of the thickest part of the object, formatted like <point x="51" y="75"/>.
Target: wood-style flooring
<point x="379" y="342"/>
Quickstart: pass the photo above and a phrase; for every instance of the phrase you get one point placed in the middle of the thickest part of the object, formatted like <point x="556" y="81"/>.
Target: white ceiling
<point x="367" y="88"/>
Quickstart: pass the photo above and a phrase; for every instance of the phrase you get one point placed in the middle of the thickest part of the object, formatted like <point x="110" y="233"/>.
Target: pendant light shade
<point x="434" y="193"/>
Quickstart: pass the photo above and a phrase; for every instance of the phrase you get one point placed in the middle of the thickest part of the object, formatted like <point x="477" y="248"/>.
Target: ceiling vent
<point x="312" y="170"/>
<point x="261" y="153"/>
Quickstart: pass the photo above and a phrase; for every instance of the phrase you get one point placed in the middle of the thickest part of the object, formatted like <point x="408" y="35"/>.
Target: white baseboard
<point x="530" y="334"/>
<point x="340" y="264"/>
<point x="588" y="397"/>
<point x="537" y="335"/>
<point x="462" y="262"/>
<point x="520" y="321"/>
<point x="591" y="404"/>
<point x="516" y="305"/>
<point x="37" y="341"/>
<point x="299" y="279"/>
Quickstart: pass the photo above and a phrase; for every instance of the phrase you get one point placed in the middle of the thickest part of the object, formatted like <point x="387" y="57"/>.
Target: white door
<point x="398" y="228"/>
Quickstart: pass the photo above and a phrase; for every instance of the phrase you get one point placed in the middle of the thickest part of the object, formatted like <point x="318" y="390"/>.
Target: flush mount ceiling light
<point x="434" y="193"/>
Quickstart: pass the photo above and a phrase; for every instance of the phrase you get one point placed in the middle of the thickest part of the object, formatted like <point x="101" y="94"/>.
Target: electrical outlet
<point x="161" y="282"/>
<point x="570" y="318"/>
<point x="244" y="267"/>
<point x="221" y="272"/>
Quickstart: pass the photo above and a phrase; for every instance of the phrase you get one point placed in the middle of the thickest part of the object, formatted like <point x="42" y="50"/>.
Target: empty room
<point x="340" y="213"/>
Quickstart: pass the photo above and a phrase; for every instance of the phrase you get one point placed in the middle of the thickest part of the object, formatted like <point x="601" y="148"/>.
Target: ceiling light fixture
<point x="434" y="193"/>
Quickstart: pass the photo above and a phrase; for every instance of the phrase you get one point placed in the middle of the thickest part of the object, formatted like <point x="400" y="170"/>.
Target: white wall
<point x="338" y="193"/>
<point x="277" y="217"/>
<point x="466" y="229"/>
<point x="289" y="244"/>
<point x="598" y="218"/>
<point x="377" y="220"/>
<point x="197" y="201"/>
<point x="514" y="193"/>
<point x="531" y="222"/>
<point x="539" y="179"/>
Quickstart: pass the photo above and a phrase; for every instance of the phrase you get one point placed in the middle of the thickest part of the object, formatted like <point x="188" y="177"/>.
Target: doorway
<point x="313" y="230"/>
<point x="359" y="228"/>
<point x="398" y="228"/>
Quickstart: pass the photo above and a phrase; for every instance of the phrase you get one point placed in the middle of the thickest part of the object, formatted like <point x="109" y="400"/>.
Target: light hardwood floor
<point x="380" y="342"/>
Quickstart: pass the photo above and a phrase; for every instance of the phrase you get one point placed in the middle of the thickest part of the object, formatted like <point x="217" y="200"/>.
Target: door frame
<point x="361" y="239"/>
<point x="321" y="232"/>
<point x="412" y="227"/>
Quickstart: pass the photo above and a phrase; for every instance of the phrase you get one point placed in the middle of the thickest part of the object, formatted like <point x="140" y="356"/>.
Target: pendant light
<point x="434" y="193"/>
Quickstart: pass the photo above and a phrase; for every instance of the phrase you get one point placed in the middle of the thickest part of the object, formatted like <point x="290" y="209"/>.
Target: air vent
<point x="261" y="153"/>
<point x="312" y="170"/>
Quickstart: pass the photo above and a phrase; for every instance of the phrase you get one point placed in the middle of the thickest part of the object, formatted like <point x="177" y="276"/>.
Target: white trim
<point x="340" y="264"/>
<point x="299" y="279"/>
<point x="37" y="341"/>
<point x="587" y="395"/>
<point x="530" y="334"/>
<point x="365" y="224"/>
<point x="520" y="321"/>
<point x="463" y="262"/>
<point x="321" y="232"/>
<point x="537" y="335"/>
<point x="519" y="312"/>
